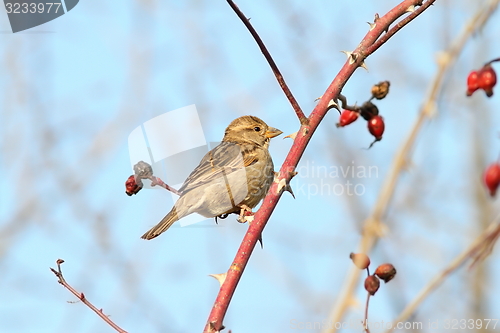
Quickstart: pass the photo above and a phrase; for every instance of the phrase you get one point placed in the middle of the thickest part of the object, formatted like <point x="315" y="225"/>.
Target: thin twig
<point x="365" y="321"/>
<point x="373" y="225"/>
<point x="492" y="61"/>
<point x="287" y="170"/>
<point x="344" y="105"/>
<point x="281" y="81"/>
<point x="459" y="261"/>
<point x="155" y="181"/>
<point x="82" y="297"/>
<point x="144" y="170"/>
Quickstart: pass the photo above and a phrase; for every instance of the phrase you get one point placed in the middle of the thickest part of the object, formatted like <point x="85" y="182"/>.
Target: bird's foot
<point x="246" y="214"/>
<point x="222" y="217"/>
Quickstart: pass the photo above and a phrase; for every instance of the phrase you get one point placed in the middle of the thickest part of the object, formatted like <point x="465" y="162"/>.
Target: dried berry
<point x="372" y="283"/>
<point x="368" y="110"/>
<point x="385" y="272"/>
<point x="347" y="117"/>
<point x="143" y="170"/>
<point x="380" y="90"/>
<point x="492" y="178"/>
<point x="361" y="260"/>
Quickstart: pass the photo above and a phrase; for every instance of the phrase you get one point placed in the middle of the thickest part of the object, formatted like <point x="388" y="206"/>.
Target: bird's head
<point x="250" y="129"/>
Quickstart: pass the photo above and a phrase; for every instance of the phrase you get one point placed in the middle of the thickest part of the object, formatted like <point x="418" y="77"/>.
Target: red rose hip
<point x="347" y="117"/>
<point x="487" y="80"/>
<point x="376" y="127"/>
<point x="472" y="82"/>
<point x="492" y="178"/>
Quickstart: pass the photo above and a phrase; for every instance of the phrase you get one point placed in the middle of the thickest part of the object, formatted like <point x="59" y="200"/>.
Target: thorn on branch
<point x="372" y="25"/>
<point x="291" y="136"/>
<point x="333" y="104"/>
<point x="364" y="66"/>
<point x="213" y="329"/>
<point x="219" y="277"/>
<point x="353" y="57"/>
<point x="350" y="56"/>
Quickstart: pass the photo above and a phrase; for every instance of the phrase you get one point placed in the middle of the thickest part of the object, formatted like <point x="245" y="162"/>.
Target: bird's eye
<point x="256" y="129"/>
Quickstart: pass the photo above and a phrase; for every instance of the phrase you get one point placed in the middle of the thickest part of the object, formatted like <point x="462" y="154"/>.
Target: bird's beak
<point x="272" y="132"/>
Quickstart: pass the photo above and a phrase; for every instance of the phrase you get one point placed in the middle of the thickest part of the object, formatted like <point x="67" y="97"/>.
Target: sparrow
<point x="231" y="178"/>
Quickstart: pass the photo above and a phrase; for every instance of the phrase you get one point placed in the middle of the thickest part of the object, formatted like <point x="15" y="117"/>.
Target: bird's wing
<point x="224" y="159"/>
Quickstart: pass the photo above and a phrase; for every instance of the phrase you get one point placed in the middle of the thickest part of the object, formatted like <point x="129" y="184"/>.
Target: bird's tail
<point x="161" y="227"/>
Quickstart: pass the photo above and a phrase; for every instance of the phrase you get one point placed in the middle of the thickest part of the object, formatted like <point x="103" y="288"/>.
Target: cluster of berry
<point x="385" y="272"/>
<point x="376" y="123"/>
<point x="367" y="111"/>
<point x="485" y="79"/>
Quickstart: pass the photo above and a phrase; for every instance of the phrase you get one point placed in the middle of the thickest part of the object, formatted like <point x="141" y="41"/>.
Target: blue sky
<point x="75" y="88"/>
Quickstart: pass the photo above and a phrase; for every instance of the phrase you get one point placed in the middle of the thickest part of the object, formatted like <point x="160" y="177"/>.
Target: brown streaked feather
<point x="227" y="157"/>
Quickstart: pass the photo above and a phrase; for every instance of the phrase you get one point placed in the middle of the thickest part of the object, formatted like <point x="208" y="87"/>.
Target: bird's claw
<point x="246" y="214"/>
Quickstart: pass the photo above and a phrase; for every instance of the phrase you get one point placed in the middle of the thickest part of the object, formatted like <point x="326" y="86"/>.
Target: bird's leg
<point x="246" y="214"/>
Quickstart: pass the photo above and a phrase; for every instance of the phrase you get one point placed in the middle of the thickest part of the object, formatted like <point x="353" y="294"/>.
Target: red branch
<point x="82" y="297"/>
<point x="368" y="45"/>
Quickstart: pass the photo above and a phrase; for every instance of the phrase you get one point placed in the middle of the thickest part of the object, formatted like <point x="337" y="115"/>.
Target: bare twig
<point x="365" y="321"/>
<point x="469" y="253"/>
<point x="344" y="105"/>
<point x="82" y="297"/>
<point x="281" y="81"/>
<point x="143" y="170"/>
<point x="492" y="61"/>
<point x="373" y="224"/>
<point x="287" y="171"/>
<point x="157" y="181"/>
